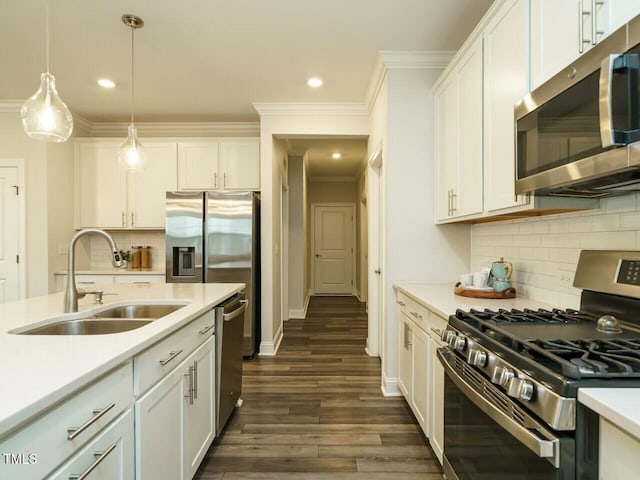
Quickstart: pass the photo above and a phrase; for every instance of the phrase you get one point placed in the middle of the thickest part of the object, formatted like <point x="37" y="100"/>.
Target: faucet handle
<point x="97" y="295"/>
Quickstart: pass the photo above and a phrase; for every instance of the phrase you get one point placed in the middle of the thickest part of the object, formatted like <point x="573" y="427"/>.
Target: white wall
<point x="15" y="144"/>
<point x="415" y="249"/>
<point x="545" y="250"/>
<point x="283" y="124"/>
<point x="296" y="237"/>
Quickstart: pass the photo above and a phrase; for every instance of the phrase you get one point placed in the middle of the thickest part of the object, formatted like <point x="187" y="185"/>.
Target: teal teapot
<point x="501" y="272"/>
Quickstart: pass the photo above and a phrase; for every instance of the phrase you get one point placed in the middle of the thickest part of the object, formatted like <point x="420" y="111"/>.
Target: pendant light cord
<point x="47" y="34"/>
<point x="132" y="87"/>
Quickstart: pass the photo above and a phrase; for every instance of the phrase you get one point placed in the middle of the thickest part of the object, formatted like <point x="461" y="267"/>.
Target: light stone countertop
<point x="114" y="271"/>
<point x="40" y="370"/>
<point x="620" y="406"/>
<point x="439" y="298"/>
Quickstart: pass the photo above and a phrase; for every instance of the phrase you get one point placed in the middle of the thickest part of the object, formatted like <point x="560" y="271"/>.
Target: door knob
<point x="318" y="255"/>
<point x="377" y="271"/>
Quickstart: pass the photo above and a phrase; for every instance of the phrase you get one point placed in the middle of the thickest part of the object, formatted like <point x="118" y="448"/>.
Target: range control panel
<point x="629" y="272"/>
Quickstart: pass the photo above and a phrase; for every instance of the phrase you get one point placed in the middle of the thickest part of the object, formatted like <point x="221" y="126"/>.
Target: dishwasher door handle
<point x="238" y="311"/>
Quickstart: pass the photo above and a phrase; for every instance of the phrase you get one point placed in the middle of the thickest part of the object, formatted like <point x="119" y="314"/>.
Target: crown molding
<point x="10" y="106"/>
<point x="178" y="129"/>
<point x="82" y="123"/>
<point x="389" y="60"/>
<point x="345" y="108"/>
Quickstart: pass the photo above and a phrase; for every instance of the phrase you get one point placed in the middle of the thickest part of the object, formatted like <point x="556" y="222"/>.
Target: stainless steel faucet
<point x="72" y="294"/>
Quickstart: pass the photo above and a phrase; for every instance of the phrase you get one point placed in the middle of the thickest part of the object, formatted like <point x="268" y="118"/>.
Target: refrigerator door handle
<point x="238" y="311"/>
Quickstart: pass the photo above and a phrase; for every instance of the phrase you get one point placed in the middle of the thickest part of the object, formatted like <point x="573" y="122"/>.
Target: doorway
<point x="376" y="303"/>
<point x="12" y="208"/>
<point x="333" y="252"/>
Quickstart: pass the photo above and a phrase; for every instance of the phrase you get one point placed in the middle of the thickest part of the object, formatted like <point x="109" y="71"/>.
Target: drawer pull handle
<point x="100" y="456"/>
<point x="142" y="283"/>
<point x="416" y="315"/>
<point x="195" y="379"/>
<point x="73" y="432"/>
<point x="205" y="329"/>
<point x="437" y="332"/>
<point x="172" y="355"/>
<point x="190" y="391"/>
<point x="401" y="303"/>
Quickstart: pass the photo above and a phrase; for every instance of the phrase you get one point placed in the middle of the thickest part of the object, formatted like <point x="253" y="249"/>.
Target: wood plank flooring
<point x="316" y="412"/>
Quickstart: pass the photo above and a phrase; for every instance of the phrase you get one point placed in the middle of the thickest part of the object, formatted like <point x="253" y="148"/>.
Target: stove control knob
<point x="451" y="339"/>
<point x="446" y="335"/>
<point x="520" y="388"/>
<point x="502" y="375"/>
<point x="460" y="343"/>
<point x="477" y="358"/>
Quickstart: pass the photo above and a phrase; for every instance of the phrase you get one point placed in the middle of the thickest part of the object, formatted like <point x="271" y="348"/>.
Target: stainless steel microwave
<point x="577" y="135"/>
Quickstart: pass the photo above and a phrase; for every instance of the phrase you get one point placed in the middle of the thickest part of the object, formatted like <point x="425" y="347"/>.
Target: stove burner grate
<point x="573" y="358"/>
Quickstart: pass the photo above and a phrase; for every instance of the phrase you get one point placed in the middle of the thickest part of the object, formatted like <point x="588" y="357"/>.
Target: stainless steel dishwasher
<point x="229" y="332"/>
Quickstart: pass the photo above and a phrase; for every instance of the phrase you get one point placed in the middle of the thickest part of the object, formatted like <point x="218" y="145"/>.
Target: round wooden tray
<point x="465" y="292"/>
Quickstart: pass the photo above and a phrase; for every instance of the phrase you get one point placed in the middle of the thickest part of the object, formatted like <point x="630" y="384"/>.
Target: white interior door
<point x="9" y="235"/>
<point x="333" y="249"/>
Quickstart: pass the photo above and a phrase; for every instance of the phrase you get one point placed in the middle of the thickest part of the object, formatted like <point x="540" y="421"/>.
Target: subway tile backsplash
<point x="544" y="250"/>
<point x="100" y="256"/>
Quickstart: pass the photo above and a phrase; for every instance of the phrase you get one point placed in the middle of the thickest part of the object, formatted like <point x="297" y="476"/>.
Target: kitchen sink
<point x="113" y="320"/>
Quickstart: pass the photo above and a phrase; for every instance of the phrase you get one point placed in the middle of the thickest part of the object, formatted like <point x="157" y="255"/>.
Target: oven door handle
<point x="542" y="448"/>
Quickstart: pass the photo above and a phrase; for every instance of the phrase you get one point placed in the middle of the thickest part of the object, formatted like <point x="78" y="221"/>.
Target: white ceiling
<point x="209" y="60"/>
<point x="321" y="164"/>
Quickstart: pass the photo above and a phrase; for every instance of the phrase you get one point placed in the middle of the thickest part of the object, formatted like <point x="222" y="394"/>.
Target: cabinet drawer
<point x="159" y="359"/>
<point x="109" y="456"/>
<point x="140" y="279"/>
<point x="417" y="313"/>
<point x="437" y="325"/>
<point x="47" y="437"/>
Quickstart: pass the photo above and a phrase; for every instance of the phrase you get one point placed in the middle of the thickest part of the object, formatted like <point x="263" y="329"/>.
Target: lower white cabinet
<point x="175" y="419"/>
<point x="109" y="456"/>
<point x="619" y="455"/>
<point x="412" y="364"/>
<point x="420" y="374"/>
<point x="87" y="281"/>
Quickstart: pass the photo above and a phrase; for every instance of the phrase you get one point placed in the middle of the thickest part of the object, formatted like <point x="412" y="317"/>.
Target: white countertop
<point x="439" y="297"/>
<point x="620" y="406"/>
<point x="115" y="271"/>
<point x="39" y="370"/>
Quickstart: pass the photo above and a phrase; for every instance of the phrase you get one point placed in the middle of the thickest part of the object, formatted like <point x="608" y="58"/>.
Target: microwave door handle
<point x="606" y="117"/>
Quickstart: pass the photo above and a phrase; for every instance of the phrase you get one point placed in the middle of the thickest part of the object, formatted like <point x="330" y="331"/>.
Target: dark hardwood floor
<point x="316" y="412"/>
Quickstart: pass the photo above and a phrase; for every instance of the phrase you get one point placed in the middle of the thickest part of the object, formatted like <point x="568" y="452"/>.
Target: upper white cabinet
<point x="107" y="197"/>
<point x="222" y="165"/>
<point x="561" y="30"/>
<point x="458" y="137"/>
<point x="506" y="80"/>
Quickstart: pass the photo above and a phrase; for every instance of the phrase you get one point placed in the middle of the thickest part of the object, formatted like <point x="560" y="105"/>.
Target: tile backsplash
<point x="100" y="256"/>
<point x="544" y="250"/>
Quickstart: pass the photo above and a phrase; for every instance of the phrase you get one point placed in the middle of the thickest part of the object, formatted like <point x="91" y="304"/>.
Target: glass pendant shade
<point x="44" y="115"/>
<point x="131" y="155"/>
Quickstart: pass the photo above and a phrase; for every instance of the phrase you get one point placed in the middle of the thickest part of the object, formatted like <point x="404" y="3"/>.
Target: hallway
<point x="316" y="412"/>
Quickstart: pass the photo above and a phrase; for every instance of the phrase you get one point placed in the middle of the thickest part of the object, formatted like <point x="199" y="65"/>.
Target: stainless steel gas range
<point x="512" y="377"/>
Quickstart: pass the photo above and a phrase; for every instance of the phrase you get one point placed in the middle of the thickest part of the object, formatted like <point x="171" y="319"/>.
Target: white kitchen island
<point x="46" y="377"/>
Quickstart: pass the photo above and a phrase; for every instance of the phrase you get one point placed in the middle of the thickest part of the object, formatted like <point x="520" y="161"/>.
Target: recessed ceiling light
<point x="314" y="82"/>
<point x="106" y="83"/>
<point x="336" y="155"/>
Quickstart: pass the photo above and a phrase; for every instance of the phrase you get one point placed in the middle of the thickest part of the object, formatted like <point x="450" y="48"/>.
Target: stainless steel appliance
<point x="512" y="377"/>
<point x="577" y="134"/>
<point x="215" y="237"/>
<point x="229" y="330"/>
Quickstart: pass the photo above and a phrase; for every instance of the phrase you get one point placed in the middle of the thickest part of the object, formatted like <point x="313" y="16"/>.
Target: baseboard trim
<point x="389" y="386"/>
<point x="270" y="349"/>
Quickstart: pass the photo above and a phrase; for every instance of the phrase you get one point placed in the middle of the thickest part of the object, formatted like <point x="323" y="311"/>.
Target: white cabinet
<point x="458" y="138"/>
<point x="87" y="281"/>
<point x="413" y="348"/>
<point x="619" y="455"/>
<point x="506" y="74"/>
<point x="107" y="197"/>
<point x="109" y="456"/>
<point x="561" y="30"/>
<point x="221" y="165"/>
<point x="436" y="388"/>
<point x="175" y="419"/>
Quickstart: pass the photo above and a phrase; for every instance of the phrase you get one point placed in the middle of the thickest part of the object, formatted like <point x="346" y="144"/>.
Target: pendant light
<point x="44" y="115"/>
<point x="131" y="155"/>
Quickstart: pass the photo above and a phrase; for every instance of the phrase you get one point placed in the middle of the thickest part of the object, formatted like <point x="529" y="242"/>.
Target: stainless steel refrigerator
<point x="214" y="237"/>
